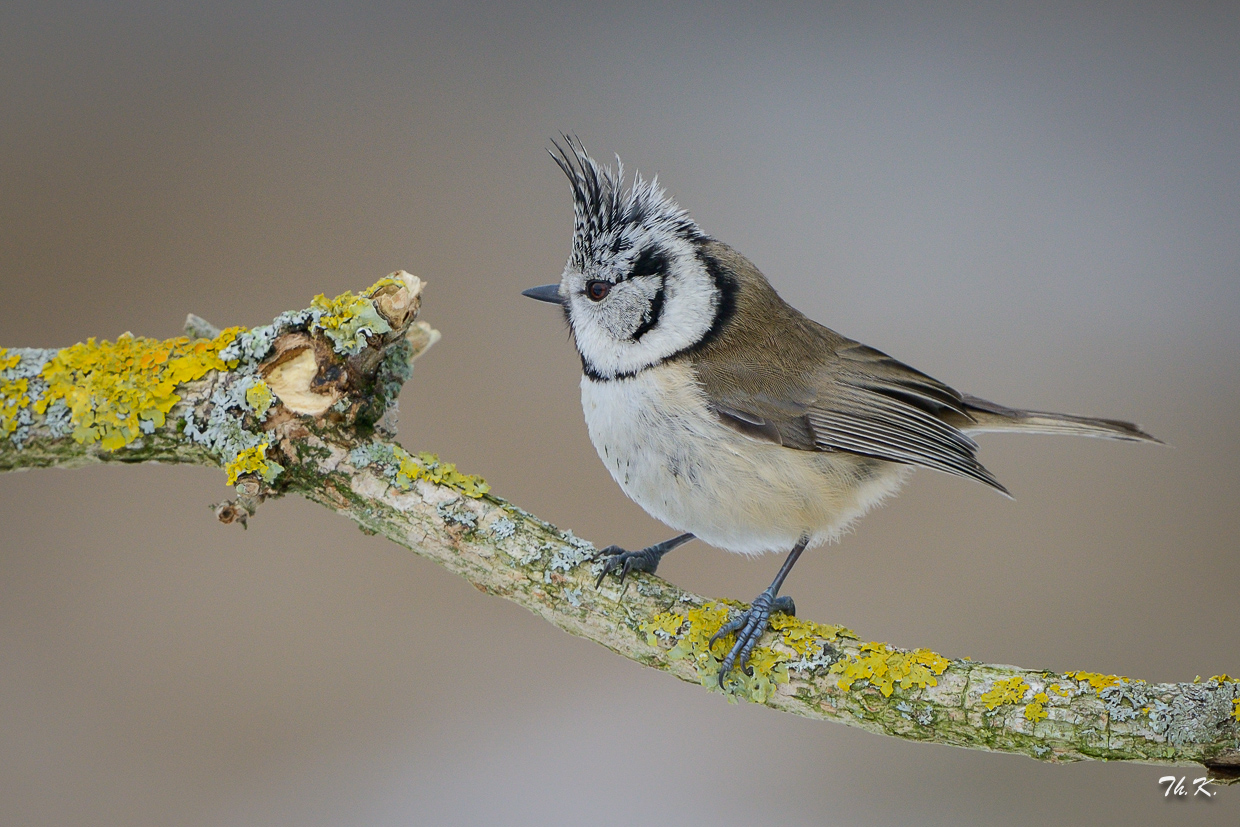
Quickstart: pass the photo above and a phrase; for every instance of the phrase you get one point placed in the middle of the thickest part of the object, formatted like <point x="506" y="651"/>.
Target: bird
<point x="729" y="415"/>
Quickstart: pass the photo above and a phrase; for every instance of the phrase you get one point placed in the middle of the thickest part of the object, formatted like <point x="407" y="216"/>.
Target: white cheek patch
<point x="603" y="331"/>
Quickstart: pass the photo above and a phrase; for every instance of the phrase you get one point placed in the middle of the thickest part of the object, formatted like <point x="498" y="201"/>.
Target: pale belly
<point x="676" y="460"/>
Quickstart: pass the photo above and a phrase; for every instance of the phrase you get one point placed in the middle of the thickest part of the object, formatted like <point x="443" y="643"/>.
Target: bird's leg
<point x="617" y="559"/>
<point x="752" y="623"/>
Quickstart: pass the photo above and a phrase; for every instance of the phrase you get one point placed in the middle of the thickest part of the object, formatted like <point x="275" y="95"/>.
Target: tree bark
<point x="303" y="406"/>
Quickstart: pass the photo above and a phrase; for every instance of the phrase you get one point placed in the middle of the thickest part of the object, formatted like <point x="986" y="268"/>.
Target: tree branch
<point x="306" y="405"/>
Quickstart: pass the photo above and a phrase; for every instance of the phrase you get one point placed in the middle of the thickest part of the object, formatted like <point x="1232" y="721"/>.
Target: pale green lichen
<point x="347" y="319"/>
<point x="403" y="469"/>
<point x="1005" y="691"/>
<point x="886" y="668"/>
<point x="116" y="391"/>
<point x="260" y="398"/>
<point x="428" y="467"/>
<point x="386" y="281"/>
<point x="252" y="460"/>
<point x="689" y="634"/>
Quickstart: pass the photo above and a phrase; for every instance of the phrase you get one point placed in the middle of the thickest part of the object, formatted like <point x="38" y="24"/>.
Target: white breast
<point x="673" y="456"/>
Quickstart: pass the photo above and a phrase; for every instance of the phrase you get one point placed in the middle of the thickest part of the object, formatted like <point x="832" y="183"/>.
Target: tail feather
<point x="988" y="416"/>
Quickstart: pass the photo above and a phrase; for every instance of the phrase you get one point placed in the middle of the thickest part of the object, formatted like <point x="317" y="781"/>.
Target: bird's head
<point x="637" y="287"/>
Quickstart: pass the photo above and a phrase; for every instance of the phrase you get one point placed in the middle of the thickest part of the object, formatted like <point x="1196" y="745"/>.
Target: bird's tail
<point x="987" y="416"/>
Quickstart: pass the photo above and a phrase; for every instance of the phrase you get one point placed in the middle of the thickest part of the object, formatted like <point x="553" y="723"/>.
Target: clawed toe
<point x="749" y="627"/>
<point x="615" y="558"/>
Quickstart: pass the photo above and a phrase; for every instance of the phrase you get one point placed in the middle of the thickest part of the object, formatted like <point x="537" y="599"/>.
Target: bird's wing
<point x="853" y="398"/>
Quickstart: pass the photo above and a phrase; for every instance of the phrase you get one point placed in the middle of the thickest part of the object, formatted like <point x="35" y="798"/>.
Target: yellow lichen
<point x="13" y="396"/>
<point x="1235" y="709"/>
<point x="112" y="387"/>
<point x="347" y="318"/>
<point x="1058" y="690"/>
<point x="805" y="637"/>
<point x="386" y="281"/>
<point x="1005" y="691"/>
<point x="690" y="632"/>
<point x="1224" y="678"/>
<point x="428" y="467"/>
<point x="260" y="398"/>
<point x="250" y="461"/>
<point x="885" y="667"/>
<point x="1097" y="680"/>
<point x="1036" y="709"/>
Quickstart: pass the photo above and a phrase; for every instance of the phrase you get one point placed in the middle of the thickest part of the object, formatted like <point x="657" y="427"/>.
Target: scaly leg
<point x="752" y="623"/>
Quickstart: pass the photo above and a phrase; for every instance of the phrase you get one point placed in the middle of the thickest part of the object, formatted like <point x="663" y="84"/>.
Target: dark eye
<point x="597" y="290"/>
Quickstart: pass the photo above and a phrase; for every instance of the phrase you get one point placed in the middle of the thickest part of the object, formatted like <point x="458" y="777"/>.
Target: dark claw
<point x="749" y="628"/>
<point x="646" y="559"/>
<point x="615" y="558"/>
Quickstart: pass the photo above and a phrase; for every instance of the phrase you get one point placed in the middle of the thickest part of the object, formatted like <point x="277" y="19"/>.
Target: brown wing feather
<point x="777" y="376"/>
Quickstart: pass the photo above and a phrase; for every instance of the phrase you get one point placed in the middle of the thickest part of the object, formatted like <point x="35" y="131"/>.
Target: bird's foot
<point x="749" y="626"/>
<point x="615" y="558"/>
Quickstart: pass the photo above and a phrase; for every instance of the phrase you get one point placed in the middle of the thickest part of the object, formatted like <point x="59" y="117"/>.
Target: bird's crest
<point x="603" y="209"/>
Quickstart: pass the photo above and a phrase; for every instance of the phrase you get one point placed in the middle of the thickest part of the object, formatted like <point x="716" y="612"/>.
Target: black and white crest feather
<point x="603" y="209"/>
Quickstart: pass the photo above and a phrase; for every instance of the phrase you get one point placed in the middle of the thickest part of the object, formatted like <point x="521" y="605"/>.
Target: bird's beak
<point x="547" y="293"/>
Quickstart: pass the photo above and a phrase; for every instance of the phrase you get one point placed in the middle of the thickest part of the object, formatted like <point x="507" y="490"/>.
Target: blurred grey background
<point x="1038" y="203"/>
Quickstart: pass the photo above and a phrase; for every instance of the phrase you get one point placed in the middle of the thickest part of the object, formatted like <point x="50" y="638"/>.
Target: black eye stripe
<point x="652" y="262"/>
<point x="656" y="310"/>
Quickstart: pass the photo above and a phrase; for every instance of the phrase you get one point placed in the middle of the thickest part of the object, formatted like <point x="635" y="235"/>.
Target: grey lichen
<point x="567" y="558"/>
<point x="30" y="362"/>
<point x="818" y="662"/>
<point x="1125" y="701"/>
<point x="503" y="528"/>
<point x="454" y="512"/>
<point x="1196" y="714"/>
<point x="59" y="419"/>
<point x="528" y="555"/>
<point x="219" y="424"/>
<point x="370" y="453"/>
<point x="347" y="322"/>
<point x="253" y="345"/>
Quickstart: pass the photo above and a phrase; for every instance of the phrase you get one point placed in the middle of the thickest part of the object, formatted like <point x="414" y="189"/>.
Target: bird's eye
<point x="597" y="290"/>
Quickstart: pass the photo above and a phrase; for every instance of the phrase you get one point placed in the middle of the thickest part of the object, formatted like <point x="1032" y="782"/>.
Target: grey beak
<point x="547" y="293"/>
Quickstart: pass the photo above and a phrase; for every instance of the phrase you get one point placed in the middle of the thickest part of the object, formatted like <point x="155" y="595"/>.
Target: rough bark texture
<point x="301" y="406"/>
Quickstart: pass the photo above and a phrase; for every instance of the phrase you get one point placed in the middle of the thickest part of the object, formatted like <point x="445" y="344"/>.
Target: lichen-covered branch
<point x="306" y="405"/>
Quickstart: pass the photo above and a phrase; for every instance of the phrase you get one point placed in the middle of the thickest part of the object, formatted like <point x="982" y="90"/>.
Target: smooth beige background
<point x="1038" y="205"/>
